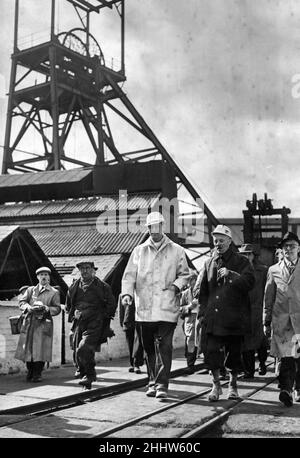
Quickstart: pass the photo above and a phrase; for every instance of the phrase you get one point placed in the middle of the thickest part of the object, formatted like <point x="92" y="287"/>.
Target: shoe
<point x="161" y="394"/>
<point x="78" y="374"/>
<point x="262" y="369"/>
<point x="297" y="395"/>
<point x="37" y="378"/>
<point x="232" y="392"/>
<point x="286" y="398"/>
<point x="131" y="369"/>
<point x="86" y="382"/>
<point x="215" y="392"/>
<point x="137" y="370"/>
<point x="151" y="392"/>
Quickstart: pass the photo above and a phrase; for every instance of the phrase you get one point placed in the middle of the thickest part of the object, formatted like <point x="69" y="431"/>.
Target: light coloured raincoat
<point x="36" y="335"/>
<point x="282" y="309"/>
<point x="148" y="277"/>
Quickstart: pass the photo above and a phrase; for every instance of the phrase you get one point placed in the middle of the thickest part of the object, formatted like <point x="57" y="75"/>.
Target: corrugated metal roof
<point x="74" y="206"/>
<point x="48" y="177"/>
<point x="27" y="209"/>
<point x="6" y="231"/>
<point x="9" y="211"/>
<point x="66" y="265"/>
<point x="71" y="242"/>
<point x="52" y="208"/>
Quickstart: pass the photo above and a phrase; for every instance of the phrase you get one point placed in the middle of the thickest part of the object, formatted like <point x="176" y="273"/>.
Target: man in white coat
<point x="282" y="317"/>
<point x="155" y="274"/>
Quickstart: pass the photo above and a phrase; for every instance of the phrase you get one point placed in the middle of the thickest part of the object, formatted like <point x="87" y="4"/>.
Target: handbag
<point x="16" y="323"/>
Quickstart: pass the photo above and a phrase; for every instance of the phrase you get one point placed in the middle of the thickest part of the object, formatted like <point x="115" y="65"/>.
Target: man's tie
<point x="291" y="269"/>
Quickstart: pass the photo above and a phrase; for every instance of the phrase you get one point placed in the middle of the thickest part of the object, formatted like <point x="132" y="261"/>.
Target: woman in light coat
<point x="282" y="316"/>
<point x="38" y="303"/>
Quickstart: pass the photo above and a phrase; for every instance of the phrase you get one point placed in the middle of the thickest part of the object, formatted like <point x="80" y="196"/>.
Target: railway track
<point x="124" y="411"/>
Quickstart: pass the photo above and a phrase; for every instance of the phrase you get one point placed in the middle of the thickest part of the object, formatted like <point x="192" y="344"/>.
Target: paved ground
<point x="261" y="417"/>
<point x="15" y="391"/>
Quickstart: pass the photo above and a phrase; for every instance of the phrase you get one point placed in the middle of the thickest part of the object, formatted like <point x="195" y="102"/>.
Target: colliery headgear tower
<point x="76" y="85"/>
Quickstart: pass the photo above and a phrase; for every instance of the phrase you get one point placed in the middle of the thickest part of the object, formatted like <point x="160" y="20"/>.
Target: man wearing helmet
<point x="224" y="309"/>
<point x="155" y="274"/>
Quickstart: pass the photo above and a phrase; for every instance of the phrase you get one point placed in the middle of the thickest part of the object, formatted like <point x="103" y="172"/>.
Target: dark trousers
<point x="34" y="368"/>
<point x="191" y="356"/>
<point x="135" y="346"/>
<point x="85" y="343"/>
<point x="214" y="356"/>
<point x="289" y="374"/>
<point x="157" y="341"/>
<point x="249" y="359"/>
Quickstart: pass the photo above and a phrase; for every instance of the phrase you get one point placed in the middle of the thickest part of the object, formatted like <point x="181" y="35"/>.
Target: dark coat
<point x="224" y="305"/>
<point x="254" y="340"/>
<point x="90" y="316"/>
<point x="107" y="303"/>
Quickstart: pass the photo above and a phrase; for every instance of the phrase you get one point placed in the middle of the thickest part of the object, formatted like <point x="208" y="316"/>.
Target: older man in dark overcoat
<point x="223" y="285"/>
<point x="90" y="305"/>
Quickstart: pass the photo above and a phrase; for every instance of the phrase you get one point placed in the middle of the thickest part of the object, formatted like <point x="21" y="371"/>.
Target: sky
<point x="216" y="80"/>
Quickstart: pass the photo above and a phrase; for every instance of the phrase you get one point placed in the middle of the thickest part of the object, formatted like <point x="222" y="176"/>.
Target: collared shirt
<point x="157" y="245"/>
<point x="290" y="265"/>
<point x="85" y="284"/>
<point x="44" y="288"/>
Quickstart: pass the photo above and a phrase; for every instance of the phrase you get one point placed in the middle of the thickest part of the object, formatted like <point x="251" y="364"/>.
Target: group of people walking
<point x="224" y="308"/>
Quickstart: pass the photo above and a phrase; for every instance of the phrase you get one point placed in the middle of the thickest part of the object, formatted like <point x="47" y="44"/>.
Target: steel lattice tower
<point x="77" y="86"/>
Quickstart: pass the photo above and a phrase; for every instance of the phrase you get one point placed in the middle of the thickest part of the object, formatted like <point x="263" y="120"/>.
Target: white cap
<point x="222" y="229"/>
<point x="154" y="218"/>
<point x="43" y="269"/>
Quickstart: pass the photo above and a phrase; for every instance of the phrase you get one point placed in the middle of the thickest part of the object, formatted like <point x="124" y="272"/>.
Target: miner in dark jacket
<point x="256" y="341"/>
<point x="224" y="310"/>
<point x="90" y="305"/>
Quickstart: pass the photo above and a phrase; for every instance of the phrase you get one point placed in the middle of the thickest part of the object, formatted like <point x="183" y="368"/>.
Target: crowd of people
<point x="233" y="309"/>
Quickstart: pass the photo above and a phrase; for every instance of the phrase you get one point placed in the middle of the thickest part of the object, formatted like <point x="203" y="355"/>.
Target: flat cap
<point x="43" y="269"/>
<point x="91" y="263"/>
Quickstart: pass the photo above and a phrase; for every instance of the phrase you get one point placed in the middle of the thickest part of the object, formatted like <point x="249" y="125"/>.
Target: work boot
<point x="232" y="387"/>
<point x="86" y="382"/>
<point x="78" y="374"/>
<point x="286" y="398"/>
<point x="297" y="395"/>
<point x="262" y="370"/>
<point x="161" y="393"/>
<point x="233" y="392"/>
<point x="215" y="392"/>
<point x="151" y="392"/>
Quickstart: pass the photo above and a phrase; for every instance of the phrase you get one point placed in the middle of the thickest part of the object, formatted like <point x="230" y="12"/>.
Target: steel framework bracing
<point x="77" y="86"/>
